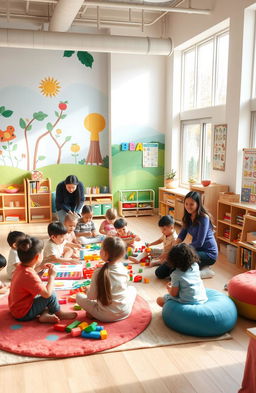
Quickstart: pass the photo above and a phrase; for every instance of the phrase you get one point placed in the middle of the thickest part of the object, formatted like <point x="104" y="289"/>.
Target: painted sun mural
<point x="50" y="87"/>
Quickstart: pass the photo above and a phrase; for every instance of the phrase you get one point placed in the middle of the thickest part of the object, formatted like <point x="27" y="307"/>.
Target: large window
<point x="196" y="151"/>
<point x="204" y="73"/>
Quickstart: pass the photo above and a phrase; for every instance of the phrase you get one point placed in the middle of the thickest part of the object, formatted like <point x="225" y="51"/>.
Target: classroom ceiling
<point x="62" y="15"/>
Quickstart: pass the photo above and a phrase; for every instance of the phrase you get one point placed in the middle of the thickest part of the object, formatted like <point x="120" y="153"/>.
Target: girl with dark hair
<point x="186" y="285"/>
<point x="29" y="297"/>
<point x="69" y="197"/>
<point x="197" y="222"/>
<point x="109" y="297"/>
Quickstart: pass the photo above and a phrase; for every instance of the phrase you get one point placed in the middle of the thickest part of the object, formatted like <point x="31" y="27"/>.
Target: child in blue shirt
<point x="186" y="285"/>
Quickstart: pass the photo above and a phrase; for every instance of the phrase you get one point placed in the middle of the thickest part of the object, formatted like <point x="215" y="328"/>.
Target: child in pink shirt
<point x="107" y="226"/>
<point x="29" y="297"/>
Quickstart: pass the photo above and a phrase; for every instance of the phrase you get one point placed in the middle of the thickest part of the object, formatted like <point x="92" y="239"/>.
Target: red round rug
<point x="41" y="340"/>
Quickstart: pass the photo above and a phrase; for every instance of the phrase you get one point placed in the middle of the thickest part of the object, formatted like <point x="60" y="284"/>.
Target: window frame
<point x="195" y="47"/>
<point x="202" y="150"/>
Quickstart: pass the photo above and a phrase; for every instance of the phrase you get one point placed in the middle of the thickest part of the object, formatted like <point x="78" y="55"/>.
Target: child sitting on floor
<point x="107" y="228"/>
<point x="85" y="229"/>
<point x="186" y="285"/>
<point x="3" y="286"/>
<point x="13" y="259"/>
<point x="126" y="235"/>
<point x="55" y="250"/>
<point x="109" y="297"/>
<point x="70" y="222"/>
<point x="159" y="255"/>
<point x="29" y="297"/>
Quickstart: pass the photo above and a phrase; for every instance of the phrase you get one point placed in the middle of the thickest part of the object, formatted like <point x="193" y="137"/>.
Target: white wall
<point x="237" y="111"/>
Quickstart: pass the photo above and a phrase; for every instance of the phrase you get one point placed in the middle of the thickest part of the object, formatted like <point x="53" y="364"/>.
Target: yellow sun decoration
<point x="49" y="87"/>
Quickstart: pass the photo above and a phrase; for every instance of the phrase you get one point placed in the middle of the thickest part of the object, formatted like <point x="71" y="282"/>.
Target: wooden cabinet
<point x="171" y="201"/>
<point x="13" y="206"/>
<point x="39" y="200"/>
<point x="136" y="202"/>
<point x="100" y="203"/>
<point x="235" y="221"/>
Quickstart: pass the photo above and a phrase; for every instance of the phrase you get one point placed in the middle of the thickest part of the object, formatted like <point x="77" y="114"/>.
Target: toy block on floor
<point x="60" y="327"/>
<point x="91" y="327"/>
<point x="94" y="334"/>
<point x="72" y="326"/>
<point x="83" y="325"/>
<point x="103" y="334"/>
<point x="76" y="332"/>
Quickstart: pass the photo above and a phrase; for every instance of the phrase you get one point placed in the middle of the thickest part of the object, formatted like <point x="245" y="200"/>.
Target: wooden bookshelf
<point x="13" y="206"/>
<point x="234" y="222"/>
<point x="39" y="200"/>
<point x="171" y="201"/>
<point x="100" y="203"/>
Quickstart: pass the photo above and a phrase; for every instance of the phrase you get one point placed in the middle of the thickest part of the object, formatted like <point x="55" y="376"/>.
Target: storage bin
<point x="105" y="207"/>
<point x="231" y="253"/>
<point x="96" y="209"/>
<point x="223" y="249"/>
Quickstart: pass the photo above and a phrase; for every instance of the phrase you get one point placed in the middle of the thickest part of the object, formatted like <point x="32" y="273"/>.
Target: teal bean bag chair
<point x="213" y="318"/>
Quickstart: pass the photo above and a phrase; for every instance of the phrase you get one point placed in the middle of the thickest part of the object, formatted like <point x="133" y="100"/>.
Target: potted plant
<point x="170" y="179"/>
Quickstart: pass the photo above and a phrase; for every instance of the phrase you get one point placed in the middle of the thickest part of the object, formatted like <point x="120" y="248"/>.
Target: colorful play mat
<point x="41" y="340"/>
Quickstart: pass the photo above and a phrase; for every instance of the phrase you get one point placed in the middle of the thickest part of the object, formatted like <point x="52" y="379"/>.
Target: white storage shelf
<point x="136" y="198"/>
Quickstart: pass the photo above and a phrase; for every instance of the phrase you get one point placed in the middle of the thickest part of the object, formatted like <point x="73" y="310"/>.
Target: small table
<point x="249" y="379"/>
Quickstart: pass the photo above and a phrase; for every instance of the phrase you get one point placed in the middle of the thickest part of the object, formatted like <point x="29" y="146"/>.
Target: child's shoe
<point x="206" y="273"/>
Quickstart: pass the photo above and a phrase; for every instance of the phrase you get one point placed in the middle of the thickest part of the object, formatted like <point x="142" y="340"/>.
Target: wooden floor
<point x="192" y="368"/>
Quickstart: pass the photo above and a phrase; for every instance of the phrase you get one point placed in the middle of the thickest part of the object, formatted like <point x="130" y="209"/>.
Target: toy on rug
<point x="83" y="329"/>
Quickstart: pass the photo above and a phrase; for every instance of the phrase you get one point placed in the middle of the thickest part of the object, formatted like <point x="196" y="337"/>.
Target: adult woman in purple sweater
<point x="197" y="223"/>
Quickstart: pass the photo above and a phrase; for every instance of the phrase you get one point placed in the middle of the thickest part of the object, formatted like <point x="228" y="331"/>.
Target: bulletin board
<point x="150" y="155"/>
<point x="248" y="191"/>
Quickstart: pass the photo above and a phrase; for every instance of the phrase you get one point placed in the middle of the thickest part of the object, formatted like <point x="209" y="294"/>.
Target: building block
<point x="137" y="278"/>
<point x="95" y="335"/>
<point x="103" y="334"/>
<point x="60" y="327"/>
<point x="75" y="332"/>
<point x="83" y="325"/>
<point x="142" y="264"/>
<point x="72" y="298"/>
<point x="72" y="326"/>
<point x="140" y="270"/>
<point x="99" y="328"/>
<point x="91" y="327"/>
<point x="62" y="301"/>
<point x="146" y="280"/>
<point x="77" y="307"/>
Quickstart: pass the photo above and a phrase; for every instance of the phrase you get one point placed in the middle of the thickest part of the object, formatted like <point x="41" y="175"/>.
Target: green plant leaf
<point x="68" y="53"/>
<point x="49" y="126"/>
<point x="7" y="113"/>
<point x="4" y="147"/>
<point x="22" y="123"/>
<point x="39" y="116"/>
<point x="85" y="58"/>
<point x="63" y="116"/>
<point x="14" y="147"/>
<point x="68" y="138"/>
<point x="2" y="109"/>
<point x="57" y="114"/>
<point x="41" y="158"/>
<point x="29" y="127"/>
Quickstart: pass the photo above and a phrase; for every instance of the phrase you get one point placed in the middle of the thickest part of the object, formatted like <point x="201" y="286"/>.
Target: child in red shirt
<point x="29" y="297"/>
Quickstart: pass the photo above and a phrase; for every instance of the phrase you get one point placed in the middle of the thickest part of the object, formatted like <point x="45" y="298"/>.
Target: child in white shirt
<point x="70" y="222"/>
<point x="109" y="297"/>
<point x="55" y="250"/>
<point x="13" y="259"/>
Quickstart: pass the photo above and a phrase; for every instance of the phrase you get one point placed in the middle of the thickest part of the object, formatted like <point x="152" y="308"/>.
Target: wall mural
<point x="10" y="153"/>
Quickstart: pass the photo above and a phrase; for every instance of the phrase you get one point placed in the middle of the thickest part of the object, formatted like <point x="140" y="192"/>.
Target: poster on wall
<point x="219" y="147"/>
<point x="150" y="155"/>
<point x="248" y="191"/>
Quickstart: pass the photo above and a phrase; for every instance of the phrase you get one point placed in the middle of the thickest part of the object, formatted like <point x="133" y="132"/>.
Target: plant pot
<point x="170" y="183"/>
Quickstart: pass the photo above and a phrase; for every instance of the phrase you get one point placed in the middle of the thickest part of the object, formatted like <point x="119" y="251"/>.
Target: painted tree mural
<point x="94" y="123"/>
